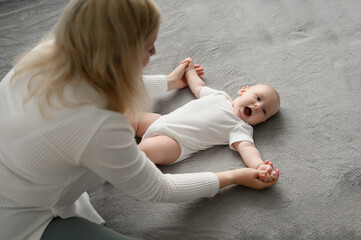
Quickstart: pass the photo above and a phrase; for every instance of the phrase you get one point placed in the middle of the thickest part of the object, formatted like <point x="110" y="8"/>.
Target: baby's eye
<point x="264" y="112"/>
<point x="258" y="99"/>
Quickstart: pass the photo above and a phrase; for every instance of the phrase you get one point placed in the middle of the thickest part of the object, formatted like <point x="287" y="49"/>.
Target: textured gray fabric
<point x="310" y="51"/>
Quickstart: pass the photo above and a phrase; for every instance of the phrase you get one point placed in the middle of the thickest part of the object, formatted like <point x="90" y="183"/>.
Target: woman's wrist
<point x="170" y="82"/>
<point x="225" y="178"/>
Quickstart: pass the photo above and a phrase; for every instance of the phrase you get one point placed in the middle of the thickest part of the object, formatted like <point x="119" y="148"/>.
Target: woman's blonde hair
<point x="99" y="42"/>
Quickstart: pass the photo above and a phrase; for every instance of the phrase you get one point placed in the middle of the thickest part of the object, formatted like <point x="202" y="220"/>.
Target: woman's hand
<point x="247" y="177"/>
<point x="190" y="64"/>
<point x="177" y="79"/>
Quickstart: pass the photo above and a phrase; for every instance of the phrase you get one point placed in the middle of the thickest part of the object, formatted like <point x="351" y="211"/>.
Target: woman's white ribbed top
<point x="46" y="165"/>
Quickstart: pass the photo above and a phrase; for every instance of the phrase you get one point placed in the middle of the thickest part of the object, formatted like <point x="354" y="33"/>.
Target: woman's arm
<point x="113" y="155"/>
<point x="156" y="85"/>
<point x="247" y="177"/>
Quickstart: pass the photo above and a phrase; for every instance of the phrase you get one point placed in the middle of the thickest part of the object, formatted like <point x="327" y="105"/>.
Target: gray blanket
<point x="310" y="51"/>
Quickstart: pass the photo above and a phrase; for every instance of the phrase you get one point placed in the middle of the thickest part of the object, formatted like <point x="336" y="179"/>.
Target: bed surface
<point x="310" y="51"/>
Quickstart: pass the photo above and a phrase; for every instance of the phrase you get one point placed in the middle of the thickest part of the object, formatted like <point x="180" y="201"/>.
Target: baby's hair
<point x="99" y="42"/>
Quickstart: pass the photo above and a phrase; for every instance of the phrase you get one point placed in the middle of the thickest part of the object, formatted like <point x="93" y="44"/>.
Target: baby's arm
<point x="252" y="158"/>
<point x="195" y="83"/>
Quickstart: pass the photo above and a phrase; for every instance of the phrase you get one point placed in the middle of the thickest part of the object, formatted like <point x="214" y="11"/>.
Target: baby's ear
<point x="242" y="90"/>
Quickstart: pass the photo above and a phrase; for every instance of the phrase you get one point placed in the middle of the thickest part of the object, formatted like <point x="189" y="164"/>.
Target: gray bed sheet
<point x="310" y="51"/>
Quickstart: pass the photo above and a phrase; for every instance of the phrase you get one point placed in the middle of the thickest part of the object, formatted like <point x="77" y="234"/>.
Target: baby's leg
<point x="161" y="149"/>
<point x="142" y="123"/>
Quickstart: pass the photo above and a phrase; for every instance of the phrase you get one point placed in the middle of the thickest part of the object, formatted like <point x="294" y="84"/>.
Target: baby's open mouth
<point x="247" y="111"/>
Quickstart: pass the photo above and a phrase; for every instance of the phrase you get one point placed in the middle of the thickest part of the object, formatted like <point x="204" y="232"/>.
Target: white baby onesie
<point x="203" y="123"/>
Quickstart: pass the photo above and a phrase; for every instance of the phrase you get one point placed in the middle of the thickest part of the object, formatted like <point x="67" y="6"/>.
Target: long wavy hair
<point x="99" y="42"/>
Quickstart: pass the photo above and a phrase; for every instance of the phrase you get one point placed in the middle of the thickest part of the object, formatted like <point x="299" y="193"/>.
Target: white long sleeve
<point x="156" y="85"/>
<point x="113" y="154"/>
<point x="47" y="164"/>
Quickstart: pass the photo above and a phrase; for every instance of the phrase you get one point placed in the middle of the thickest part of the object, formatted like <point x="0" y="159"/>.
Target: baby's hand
<point x="270" y="174"/>
<point x="190" y="64"/>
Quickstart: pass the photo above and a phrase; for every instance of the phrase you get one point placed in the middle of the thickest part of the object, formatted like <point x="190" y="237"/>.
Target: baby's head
<point x="256" y="104"/>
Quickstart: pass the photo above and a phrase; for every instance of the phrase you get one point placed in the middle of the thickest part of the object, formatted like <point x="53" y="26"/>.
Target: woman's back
<point x="40" y="173"/>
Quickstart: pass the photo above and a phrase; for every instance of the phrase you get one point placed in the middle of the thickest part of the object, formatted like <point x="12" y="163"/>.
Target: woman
<point x="62" y="126"/>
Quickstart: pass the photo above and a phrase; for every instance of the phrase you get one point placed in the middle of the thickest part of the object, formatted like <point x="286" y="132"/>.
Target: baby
<point x="211" y="119"/>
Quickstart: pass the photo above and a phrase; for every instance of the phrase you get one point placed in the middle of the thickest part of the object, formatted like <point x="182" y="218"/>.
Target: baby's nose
<point x="256" y="105"/>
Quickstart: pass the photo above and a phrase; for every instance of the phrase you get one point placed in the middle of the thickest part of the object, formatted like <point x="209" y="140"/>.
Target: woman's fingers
<point x="186" y="60"/>
<point x="268" y="178"/>
<point x="185" y="64"/>
<point x="275" y="175"/>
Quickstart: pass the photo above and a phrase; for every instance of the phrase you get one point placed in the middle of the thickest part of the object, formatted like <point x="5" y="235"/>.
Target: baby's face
<point x="256" y="104"/>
